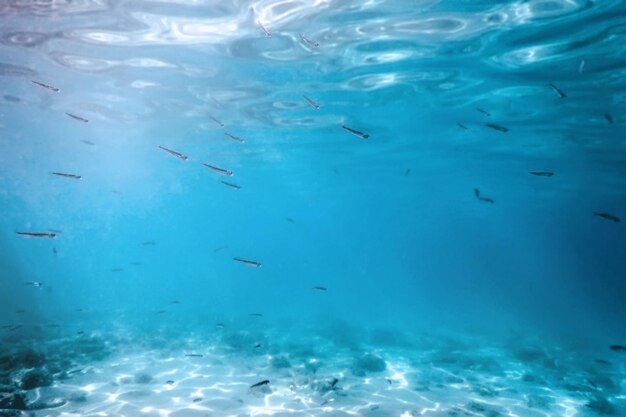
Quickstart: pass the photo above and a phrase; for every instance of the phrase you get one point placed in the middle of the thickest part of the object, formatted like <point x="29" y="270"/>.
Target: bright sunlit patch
<point x="112" y="396"/>
<point x="89" y="388"/>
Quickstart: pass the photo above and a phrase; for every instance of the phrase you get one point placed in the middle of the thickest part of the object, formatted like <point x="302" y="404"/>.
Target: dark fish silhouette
<point x="607" y="216"/>
<point x="175" y="302"/>
<point x="80" y="333"/>
<point x="355" y="132"/>
<point x="311" y="102"/>
<point x="407" y="172"/>
<point x="603" y="362"/>
<point x="72" y="176"/>
<point x="231" y="185"/>
<point x="195" y="400"/>
<point x="256" y="314"/>
<point x="235" y="138"/>
<point x="310" y="42"/>
<point x="541" y="173"/>
<point x="20" y="311"/>
<point x="174" y="153"/>
<point x="46" y="86"/>
<point x="134" y="263"/>
<point x="261" y="384"/>
<point x="219" y="170"/>
<point x="80" y="119"/>
<point x="618" y="348"/>
<point x="86" y="142"/>
<point x="248" y="262"/>
<point x="194" y="355"/>
<point x="497" y="127"/>
<point x="161" y="312"/>
<point x="483" y="111"/>
<point x="462" y="126"/>
<point x="221" y="248"/>
<point x="609" y="118"/>
<point x="267" y="32"/>
<point x="169" y="382"/>
<point x="220" y="326"/>
<point x="258" y="345"/>
<point x="321" y="289"/>
<point x="557" y="90"/>
<point x="47" y="235"/>
<point x="217" y="121"/>
<point x="36" y="284"/>
<point x="478" y="196"/>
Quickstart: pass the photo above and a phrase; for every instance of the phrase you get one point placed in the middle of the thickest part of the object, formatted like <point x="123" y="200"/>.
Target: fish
<point x="216" y="121"/>
<point x="219" y="170"/>
<point x="20" y="311"/>
<point x="54" y="250"/>
<point x="17" y="326"/>
<point x="169" y="382"/>
<point x="557" y="90"/>
<point x="290" y="220"/>
<point x="221" y="248"/>
<point x="541" y="173"/>
<point x="80" y="119"/>
<point x="267" y="32"/>
<point x="231" y="185"/>
<point x="174" y="153"/>
<point x="261" y="384"/>
<point x="195" y="400"/>
<point x="478" y="196"/>
<point x="609" y="118"/>
<point x="36" y="284"/>
<point x="607" y="216"/>
<point x="79" y="310"/>
<point x="80" y="332"/>
<point x="355" y="132"/>
<point x="161" y="312"/>
<point x="149" y="243"/>
<point x="603" y="362"/>
<point x="581" y="67"/>
<point x="134" y="263"/>
<point x="618" y="348"/>
<point x="327" y="402"/>
<point x="46" y="86"/>
<point x="248" y="262"/>
<point x="462" y="126"/>
<point x="258" y="345"/>
<point x="48" y="235"/>
<point x="483" y="111"/>
<point x="407" y="172"/>
<point x="194" y="355"/>
<point x="220" y="326"/>
<point x="72" y="176"/>
<point x="497" y="127"/>
<point x="175" y="302"/>
<point x="256" y="314"/>
<point x="312" y="43"/>
<point x="321" y="289"/>
<point x="86" y="142"/>
<point x="235" y="138"/>
<point x="311" y="102"/>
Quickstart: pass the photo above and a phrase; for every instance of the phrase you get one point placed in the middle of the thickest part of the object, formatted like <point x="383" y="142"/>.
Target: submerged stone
<point x="143" y="378"/>
<point x="36" y="378"/>
<point x="368" y="363"/>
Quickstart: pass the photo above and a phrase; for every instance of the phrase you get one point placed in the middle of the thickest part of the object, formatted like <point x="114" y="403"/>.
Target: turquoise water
<point x="429" y="195"/>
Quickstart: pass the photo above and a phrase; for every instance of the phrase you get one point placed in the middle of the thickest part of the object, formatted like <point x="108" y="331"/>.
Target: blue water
<point x="462" y="296"/>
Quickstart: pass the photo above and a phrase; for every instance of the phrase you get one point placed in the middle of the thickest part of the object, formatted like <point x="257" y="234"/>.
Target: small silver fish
<point x="231" y="185"/>
<point x="174" y="153"/>
<point x="541" y="173"/>
<point x="217" y="121"/>
<point x="47" y="235"/>
<point x="219" y="170"/>
<point x="46" y="86"/>
<point x="478" y="196"/>
<point x="311" y="102"/>
<point x="80" y="119"/>
<point x="267" y="32"/>
<point x="355" y="132"/>
<point x="248" y="262"/>
<point x="607" y="216"/>
<point x="235" y="138"/>
<point x="497" y="127"/>
<point x="309" y="42"/>
<point x="72" y="176"/>
<point x="557" y="90"/>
